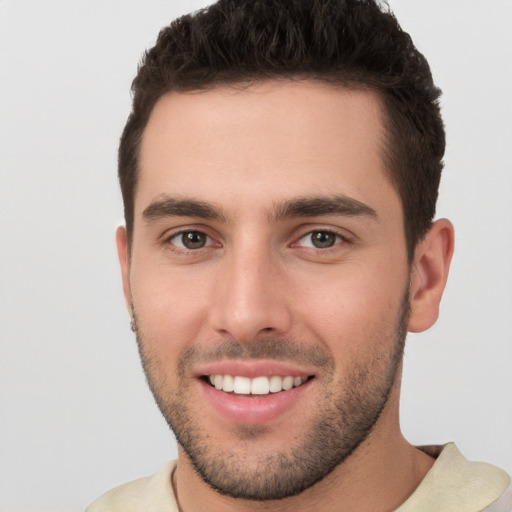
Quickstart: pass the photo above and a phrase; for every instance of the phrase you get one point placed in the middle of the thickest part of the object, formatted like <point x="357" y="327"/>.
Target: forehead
<point x="259" y="144"/>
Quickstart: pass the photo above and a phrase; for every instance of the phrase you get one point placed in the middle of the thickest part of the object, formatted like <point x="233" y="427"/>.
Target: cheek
<point x="354" y="309"/>
<point x="170" y="307"/>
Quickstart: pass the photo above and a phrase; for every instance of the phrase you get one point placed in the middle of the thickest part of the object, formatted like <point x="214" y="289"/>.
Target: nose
<point x="251" y="296"/>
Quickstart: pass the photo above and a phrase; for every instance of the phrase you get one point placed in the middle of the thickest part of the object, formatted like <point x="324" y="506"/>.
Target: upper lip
<point x="252" y="368"/>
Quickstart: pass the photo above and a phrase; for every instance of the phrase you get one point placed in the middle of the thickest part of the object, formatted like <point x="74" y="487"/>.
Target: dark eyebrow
<point x="175" y="207"/>
<point x="318" y="206"/>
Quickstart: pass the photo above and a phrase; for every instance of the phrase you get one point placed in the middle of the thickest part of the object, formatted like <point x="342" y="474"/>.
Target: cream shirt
<point x="453" y="484"/>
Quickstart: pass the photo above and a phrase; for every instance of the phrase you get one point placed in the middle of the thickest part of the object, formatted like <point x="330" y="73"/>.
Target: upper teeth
<point x="257" y="386"/>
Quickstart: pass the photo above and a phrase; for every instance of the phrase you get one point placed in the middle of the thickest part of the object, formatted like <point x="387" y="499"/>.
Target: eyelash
<point x="169" y="241"/>
<point x="339" y="239"/>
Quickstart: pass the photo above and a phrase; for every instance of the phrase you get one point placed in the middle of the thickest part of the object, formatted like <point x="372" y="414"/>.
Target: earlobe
<point x="124" y="263"/>
<point x="429" y="274"/>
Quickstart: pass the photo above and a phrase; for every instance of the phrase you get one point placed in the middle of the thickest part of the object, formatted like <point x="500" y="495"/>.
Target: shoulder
<point x="150" y="493"/>
<point x="455" y="483"/>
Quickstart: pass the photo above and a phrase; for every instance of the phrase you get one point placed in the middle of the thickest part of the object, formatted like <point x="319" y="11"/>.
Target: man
<point x="279" y="173"/>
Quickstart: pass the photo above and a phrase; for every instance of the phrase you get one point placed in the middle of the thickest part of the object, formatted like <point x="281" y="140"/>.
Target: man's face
<point x="268" y="253"/>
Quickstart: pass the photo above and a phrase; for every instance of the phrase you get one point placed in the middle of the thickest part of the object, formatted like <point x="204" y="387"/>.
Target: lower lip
<point x="253" y="409"/>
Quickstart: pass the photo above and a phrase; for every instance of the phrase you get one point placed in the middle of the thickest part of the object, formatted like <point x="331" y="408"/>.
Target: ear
<point x="430" y="268"/>
<point x="124" y="262"/>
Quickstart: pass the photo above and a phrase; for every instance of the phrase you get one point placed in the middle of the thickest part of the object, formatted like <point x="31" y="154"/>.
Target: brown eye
<point x="191" y="240"/>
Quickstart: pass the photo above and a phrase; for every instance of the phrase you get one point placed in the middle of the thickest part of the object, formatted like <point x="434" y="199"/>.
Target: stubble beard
<point x="350" y="409"/>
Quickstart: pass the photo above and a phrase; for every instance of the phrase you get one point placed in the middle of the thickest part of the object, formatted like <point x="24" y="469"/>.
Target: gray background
<point x="75" y="415"/>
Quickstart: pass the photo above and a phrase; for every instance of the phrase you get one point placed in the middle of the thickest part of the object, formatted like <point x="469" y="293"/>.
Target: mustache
<point x="276" y="349"/>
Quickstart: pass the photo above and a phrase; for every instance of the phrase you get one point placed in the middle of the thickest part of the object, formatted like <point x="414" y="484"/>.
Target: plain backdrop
<point x="75" y="416"/>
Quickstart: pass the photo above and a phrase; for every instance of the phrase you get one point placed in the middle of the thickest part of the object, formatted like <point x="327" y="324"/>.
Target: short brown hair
<point x="351" y="43"/>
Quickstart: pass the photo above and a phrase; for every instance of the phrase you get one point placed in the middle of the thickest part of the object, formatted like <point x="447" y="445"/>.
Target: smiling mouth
<point x="239" y="385"/>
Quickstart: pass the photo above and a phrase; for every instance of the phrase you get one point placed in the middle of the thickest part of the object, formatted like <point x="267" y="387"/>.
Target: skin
<point x="245" y="153"/>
